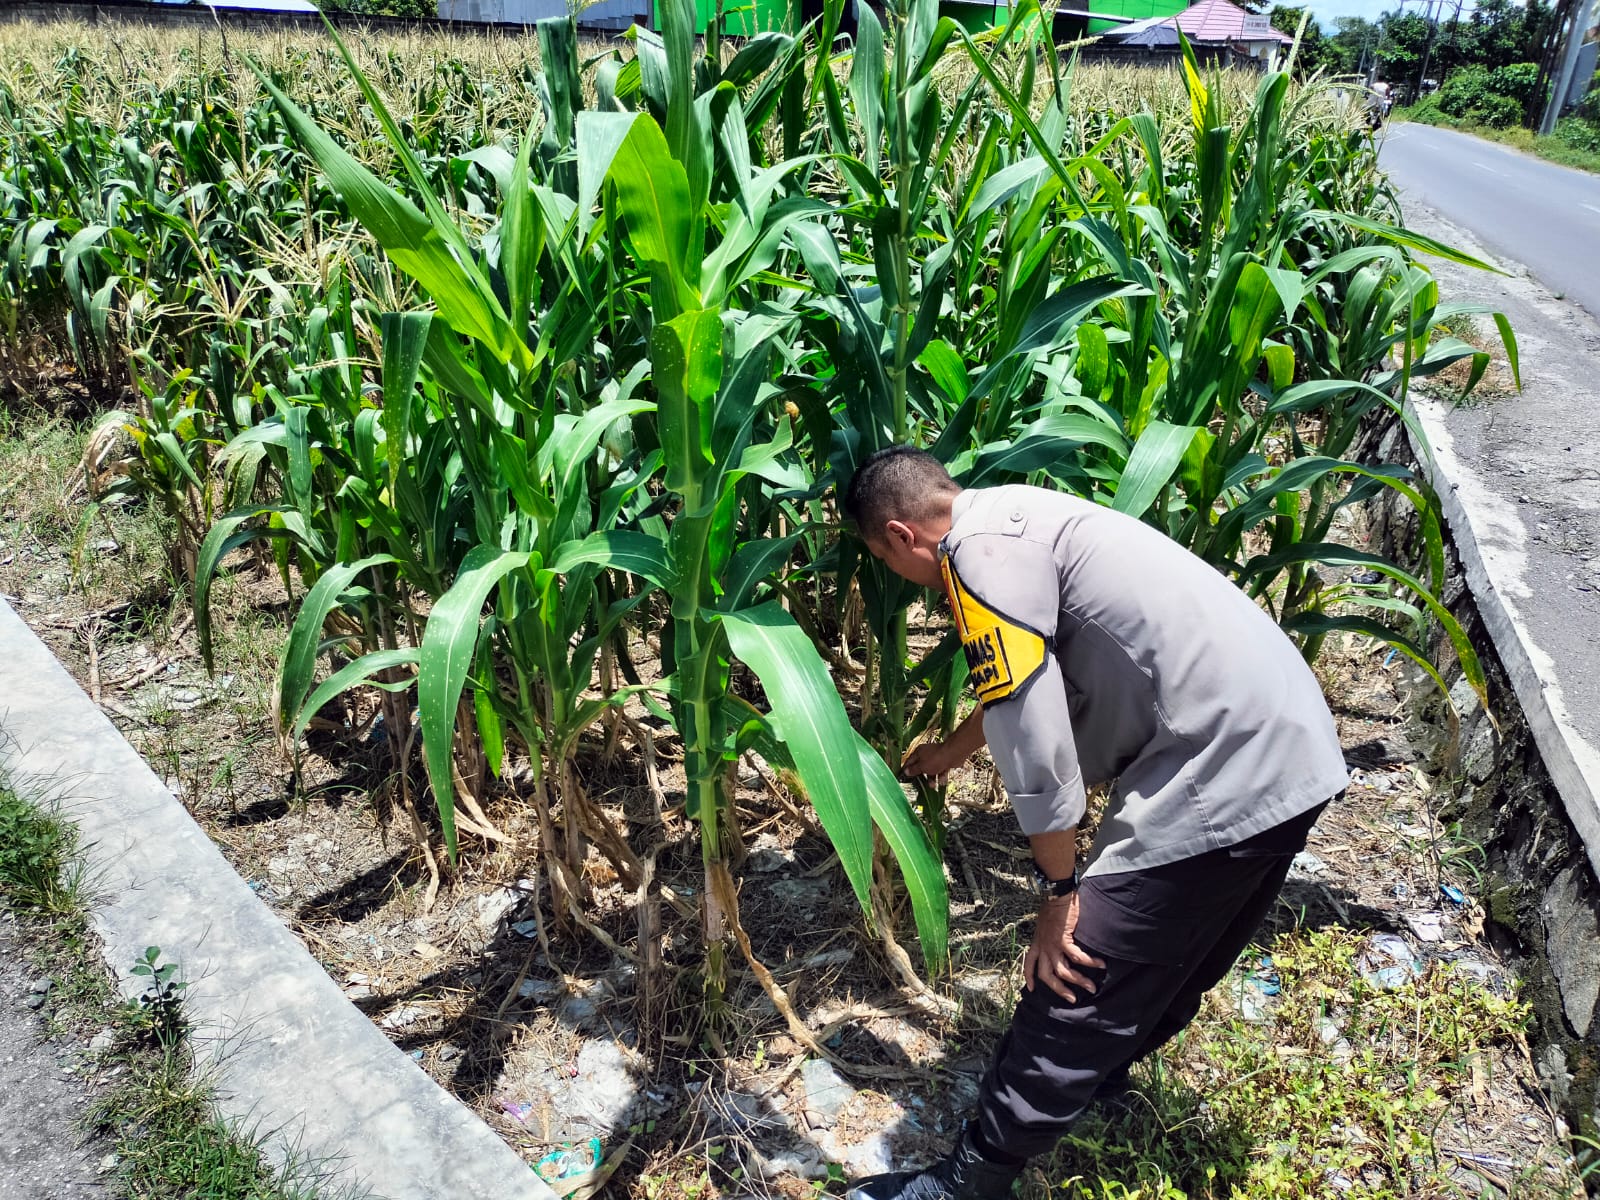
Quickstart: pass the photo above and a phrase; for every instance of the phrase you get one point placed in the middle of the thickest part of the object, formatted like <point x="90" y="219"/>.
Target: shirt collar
<point x="958" y="509"/>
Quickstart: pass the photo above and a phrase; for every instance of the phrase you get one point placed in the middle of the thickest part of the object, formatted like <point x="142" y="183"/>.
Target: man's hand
<point x="937" y="759"/>
<point x="1055" y="957"/>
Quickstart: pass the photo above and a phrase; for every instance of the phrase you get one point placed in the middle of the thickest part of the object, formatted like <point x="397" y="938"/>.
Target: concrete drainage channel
<point x="289" y="1053"/>
<point x="1527" y="783"/>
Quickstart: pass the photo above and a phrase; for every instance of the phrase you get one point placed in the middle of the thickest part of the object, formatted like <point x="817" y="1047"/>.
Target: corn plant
<point x="528" y="501"/>
<point x="505" y="362"/>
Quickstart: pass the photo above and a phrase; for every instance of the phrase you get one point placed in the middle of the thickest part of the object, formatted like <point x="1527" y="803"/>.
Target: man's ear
<point x="900" y="533"/>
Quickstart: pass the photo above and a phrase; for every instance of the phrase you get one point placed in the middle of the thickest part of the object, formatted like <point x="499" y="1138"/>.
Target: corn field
<point x="512" y="360"/>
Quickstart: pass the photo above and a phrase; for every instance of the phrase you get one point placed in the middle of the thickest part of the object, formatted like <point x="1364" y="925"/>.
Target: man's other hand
<point x="1055" y="959"/>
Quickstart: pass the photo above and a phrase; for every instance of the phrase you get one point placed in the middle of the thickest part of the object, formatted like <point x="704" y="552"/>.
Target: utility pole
<point x="1582" y="11"/>
<point x="1427" y="46"/>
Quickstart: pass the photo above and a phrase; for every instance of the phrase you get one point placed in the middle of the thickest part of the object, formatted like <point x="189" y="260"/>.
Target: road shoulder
<point x="1520" y="483"/>
<point x="43" y="1152"/>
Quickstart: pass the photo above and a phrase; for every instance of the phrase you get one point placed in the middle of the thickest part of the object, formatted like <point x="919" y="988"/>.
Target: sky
<point x="1327" y="11"/>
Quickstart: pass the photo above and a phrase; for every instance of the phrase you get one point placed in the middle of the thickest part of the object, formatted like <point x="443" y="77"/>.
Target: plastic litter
<point x="1406" y="965"/>
<point x="1390" y="979"/>
<point x="570" y="1160"/>
<point x="1392" y="945"/>
<point x="527" y="929"/>
<point x="1265" y="978"/>
<point x="416" y="1056"/>
<point x="519" y="1110"/>
<point x="1428" y="926"/>
<point x="1452" y="893"/>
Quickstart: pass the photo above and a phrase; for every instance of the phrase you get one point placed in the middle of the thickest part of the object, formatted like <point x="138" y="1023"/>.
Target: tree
<point x="1353" y="47"/>
<point x="1405" y="41"/>
<point x="1314" y="50"/>
<point x="415" y="9"/>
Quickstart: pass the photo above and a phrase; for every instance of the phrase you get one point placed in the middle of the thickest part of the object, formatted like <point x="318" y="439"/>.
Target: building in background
<point x="602" y="15"/>
<point x="1213" y="27"/>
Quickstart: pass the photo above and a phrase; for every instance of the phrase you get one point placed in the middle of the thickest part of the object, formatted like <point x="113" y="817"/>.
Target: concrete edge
<point x="292" y="1059"/>
<point x="1488" y="535"/>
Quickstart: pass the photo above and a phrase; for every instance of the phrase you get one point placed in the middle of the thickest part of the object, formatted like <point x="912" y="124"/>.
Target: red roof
<point x="1221" y="21"/>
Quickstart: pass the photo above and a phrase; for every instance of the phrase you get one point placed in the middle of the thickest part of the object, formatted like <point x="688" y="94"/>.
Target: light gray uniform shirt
<point x="1102" y="650"/>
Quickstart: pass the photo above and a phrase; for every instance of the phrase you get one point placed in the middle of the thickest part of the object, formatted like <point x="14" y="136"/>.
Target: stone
<point x="103" y="1041"/>
<point x="538" y="990"/>
<point x="1389" y="962"/>
<point x="1254" y="1005"/>
<point x="1490" y="977"/>
<point x="1571" y="931"/>
<point x="1478" y="761"/>
<point x="803" y="1162"/>
<point x="604" y="1094"/>
<point x="1591" y="574"/>
<point x="577" y="1010"/>
<point x="764" y="862"/>
<point x="826" y="1093"/>
<point x="871" y="1154"/>
<point x="1466" y="702"/>
<point x="40" y="985"/>
<point x="1307" y="865"/>
<point x="802" y="894"/>
<point x="1554" y="1073"/>
<point x="494" y="907"/>
<point x="400" y="1018"/>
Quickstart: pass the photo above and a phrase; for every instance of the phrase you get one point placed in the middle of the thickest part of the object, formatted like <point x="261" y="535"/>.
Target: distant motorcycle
<point x="1378" y="104"/>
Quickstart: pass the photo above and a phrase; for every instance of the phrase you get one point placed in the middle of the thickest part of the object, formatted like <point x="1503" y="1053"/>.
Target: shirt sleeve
<point x="1030" y="739"/>
<point x="1005" y="594"/>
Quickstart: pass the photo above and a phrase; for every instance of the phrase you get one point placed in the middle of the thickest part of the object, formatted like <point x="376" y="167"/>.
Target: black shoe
<point x="965" y="1175"/>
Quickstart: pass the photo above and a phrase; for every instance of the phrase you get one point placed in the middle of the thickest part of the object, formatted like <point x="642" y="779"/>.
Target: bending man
<point x="1101" y="650"/>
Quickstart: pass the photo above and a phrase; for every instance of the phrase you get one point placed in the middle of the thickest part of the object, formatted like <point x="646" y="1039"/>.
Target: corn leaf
<point x="448" y="646"/>
<point x="919" y="864"/>
<point x="352" y="675"/>
<point x="305" y="635"/>
<point x="1156" y="456"/>
<point x="406" y="234"/>
<point x="810" y="719"/>
<point x="686" y="362"/>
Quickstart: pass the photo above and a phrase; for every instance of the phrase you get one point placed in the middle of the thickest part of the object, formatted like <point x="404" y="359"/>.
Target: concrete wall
<point x="1540" y="890"/>
<point x="604" y="14"/>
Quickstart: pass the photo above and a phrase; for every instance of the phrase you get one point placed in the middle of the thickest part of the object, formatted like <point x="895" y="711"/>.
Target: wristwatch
<point x="1053" y="889"/>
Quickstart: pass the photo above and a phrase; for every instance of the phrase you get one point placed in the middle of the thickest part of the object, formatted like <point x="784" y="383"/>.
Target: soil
<point x="44" y="1154"/>
<point x="552" y="1049"/>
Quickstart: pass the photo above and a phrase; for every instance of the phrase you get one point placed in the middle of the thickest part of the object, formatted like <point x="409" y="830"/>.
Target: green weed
<point x="170" y="1143"/>
<point x="1341" y="1088"/>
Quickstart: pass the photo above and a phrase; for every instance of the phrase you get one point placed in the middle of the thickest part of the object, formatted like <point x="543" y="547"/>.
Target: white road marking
<point x="1590" y="207"/>
<point x="1491" y="170"/>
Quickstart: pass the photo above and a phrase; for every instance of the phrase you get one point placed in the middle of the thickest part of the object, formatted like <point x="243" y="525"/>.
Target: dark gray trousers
<point x="1168" y="935"/>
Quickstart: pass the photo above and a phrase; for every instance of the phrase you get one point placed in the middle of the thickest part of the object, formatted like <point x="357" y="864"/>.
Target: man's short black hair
<point x="897" y="483"/>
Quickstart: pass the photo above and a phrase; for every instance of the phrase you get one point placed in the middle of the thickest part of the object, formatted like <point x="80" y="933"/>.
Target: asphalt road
<point x="1533" y="212"/>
